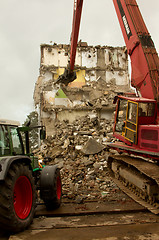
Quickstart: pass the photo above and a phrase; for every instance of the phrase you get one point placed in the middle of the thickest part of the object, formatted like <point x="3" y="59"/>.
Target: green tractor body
<point x="22" y="178"/>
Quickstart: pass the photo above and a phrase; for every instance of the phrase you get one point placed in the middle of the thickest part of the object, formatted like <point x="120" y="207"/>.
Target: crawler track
<point x="146" y="172"/>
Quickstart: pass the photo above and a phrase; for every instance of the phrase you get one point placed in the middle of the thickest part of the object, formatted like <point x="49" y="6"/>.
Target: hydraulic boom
<point x="140" y="47"/>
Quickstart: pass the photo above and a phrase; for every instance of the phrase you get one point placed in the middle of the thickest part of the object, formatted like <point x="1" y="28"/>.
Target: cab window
<point x="17" y="147"/>
<point x="146" y="109"/>
<point x="4" y="141"/>
<point x="121" y="116"/>
<point x="132" y="112"/>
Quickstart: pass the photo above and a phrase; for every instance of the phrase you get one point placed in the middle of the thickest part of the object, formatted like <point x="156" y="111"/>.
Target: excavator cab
<point x="131" y="115"/>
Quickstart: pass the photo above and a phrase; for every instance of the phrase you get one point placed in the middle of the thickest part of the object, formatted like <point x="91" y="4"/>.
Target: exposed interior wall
<point x="102" y="72"/>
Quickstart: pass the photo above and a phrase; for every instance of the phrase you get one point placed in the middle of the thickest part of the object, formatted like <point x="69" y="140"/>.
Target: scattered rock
<point x="79" y="151"/>
<point x="92" y="147"/>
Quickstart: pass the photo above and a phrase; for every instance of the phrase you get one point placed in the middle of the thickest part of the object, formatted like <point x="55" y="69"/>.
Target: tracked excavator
<point x="136" y="168"/>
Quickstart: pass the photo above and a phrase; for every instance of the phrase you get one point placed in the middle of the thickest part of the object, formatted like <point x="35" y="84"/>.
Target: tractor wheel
<point x="17" y="198"/>
<point x="51" y="187"/>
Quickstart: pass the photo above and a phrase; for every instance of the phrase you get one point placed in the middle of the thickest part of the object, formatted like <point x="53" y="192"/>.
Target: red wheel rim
<point x="58" y="191"/>
<point x="23" y="197"/>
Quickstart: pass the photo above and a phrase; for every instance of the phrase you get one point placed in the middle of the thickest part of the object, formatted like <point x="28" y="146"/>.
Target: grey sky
<point x="25" y="24"/>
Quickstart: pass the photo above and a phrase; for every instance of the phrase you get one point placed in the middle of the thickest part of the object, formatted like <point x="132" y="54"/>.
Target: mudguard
<point x="5" y="163"/>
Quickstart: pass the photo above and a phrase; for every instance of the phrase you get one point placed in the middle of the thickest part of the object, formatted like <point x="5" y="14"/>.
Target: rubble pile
<point x="80" y="151"/>
<point x="96" y="94"/>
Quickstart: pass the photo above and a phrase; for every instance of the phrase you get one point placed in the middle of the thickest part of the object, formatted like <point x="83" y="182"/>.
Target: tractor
<point x="23" y="179"/>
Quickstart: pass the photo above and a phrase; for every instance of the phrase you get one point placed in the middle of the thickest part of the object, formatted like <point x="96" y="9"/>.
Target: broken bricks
<point x="83" y="169"/>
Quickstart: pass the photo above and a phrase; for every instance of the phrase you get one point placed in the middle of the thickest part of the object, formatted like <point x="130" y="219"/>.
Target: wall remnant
<point x="102" y="72"/>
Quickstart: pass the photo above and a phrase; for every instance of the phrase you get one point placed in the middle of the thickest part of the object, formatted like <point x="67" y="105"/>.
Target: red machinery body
<point x="140" y="136"/>
<point x="135" y="126"/>
<point x="149" y="137"/>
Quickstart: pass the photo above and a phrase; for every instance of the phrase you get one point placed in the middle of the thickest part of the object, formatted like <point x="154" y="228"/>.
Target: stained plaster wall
<point x="101" y="73"/>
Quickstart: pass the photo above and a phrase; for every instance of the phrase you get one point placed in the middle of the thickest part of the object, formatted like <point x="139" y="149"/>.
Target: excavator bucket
<point x="66" y="77"/>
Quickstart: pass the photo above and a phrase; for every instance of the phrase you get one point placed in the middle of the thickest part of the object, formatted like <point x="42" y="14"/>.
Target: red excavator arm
<point x="75" y="31"/>
<point x="69" y="75"/>
<point x="140" y="47"/>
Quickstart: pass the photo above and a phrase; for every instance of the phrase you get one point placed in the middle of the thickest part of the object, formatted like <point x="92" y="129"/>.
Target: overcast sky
<point x="26" y="24"/>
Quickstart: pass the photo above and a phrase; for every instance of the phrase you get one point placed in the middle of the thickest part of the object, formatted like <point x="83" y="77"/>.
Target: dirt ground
<point x="139" y="226"/>
<point x="132" y="232"/>
<point x="92" y="221"/>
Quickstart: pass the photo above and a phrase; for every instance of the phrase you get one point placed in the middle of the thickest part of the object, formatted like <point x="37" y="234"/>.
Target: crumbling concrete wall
<point x="102" y="72"/>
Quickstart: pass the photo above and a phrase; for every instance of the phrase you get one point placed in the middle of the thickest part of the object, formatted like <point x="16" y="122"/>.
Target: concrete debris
<point x="80" y="152"/>
<point x="92" y="147"/>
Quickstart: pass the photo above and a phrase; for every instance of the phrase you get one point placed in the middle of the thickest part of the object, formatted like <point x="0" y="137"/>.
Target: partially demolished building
<point x="102" y="72"/>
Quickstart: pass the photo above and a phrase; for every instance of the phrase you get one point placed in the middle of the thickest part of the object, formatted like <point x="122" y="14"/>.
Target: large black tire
<point x="17" y="198"/>
<point x="51" y="187"/>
